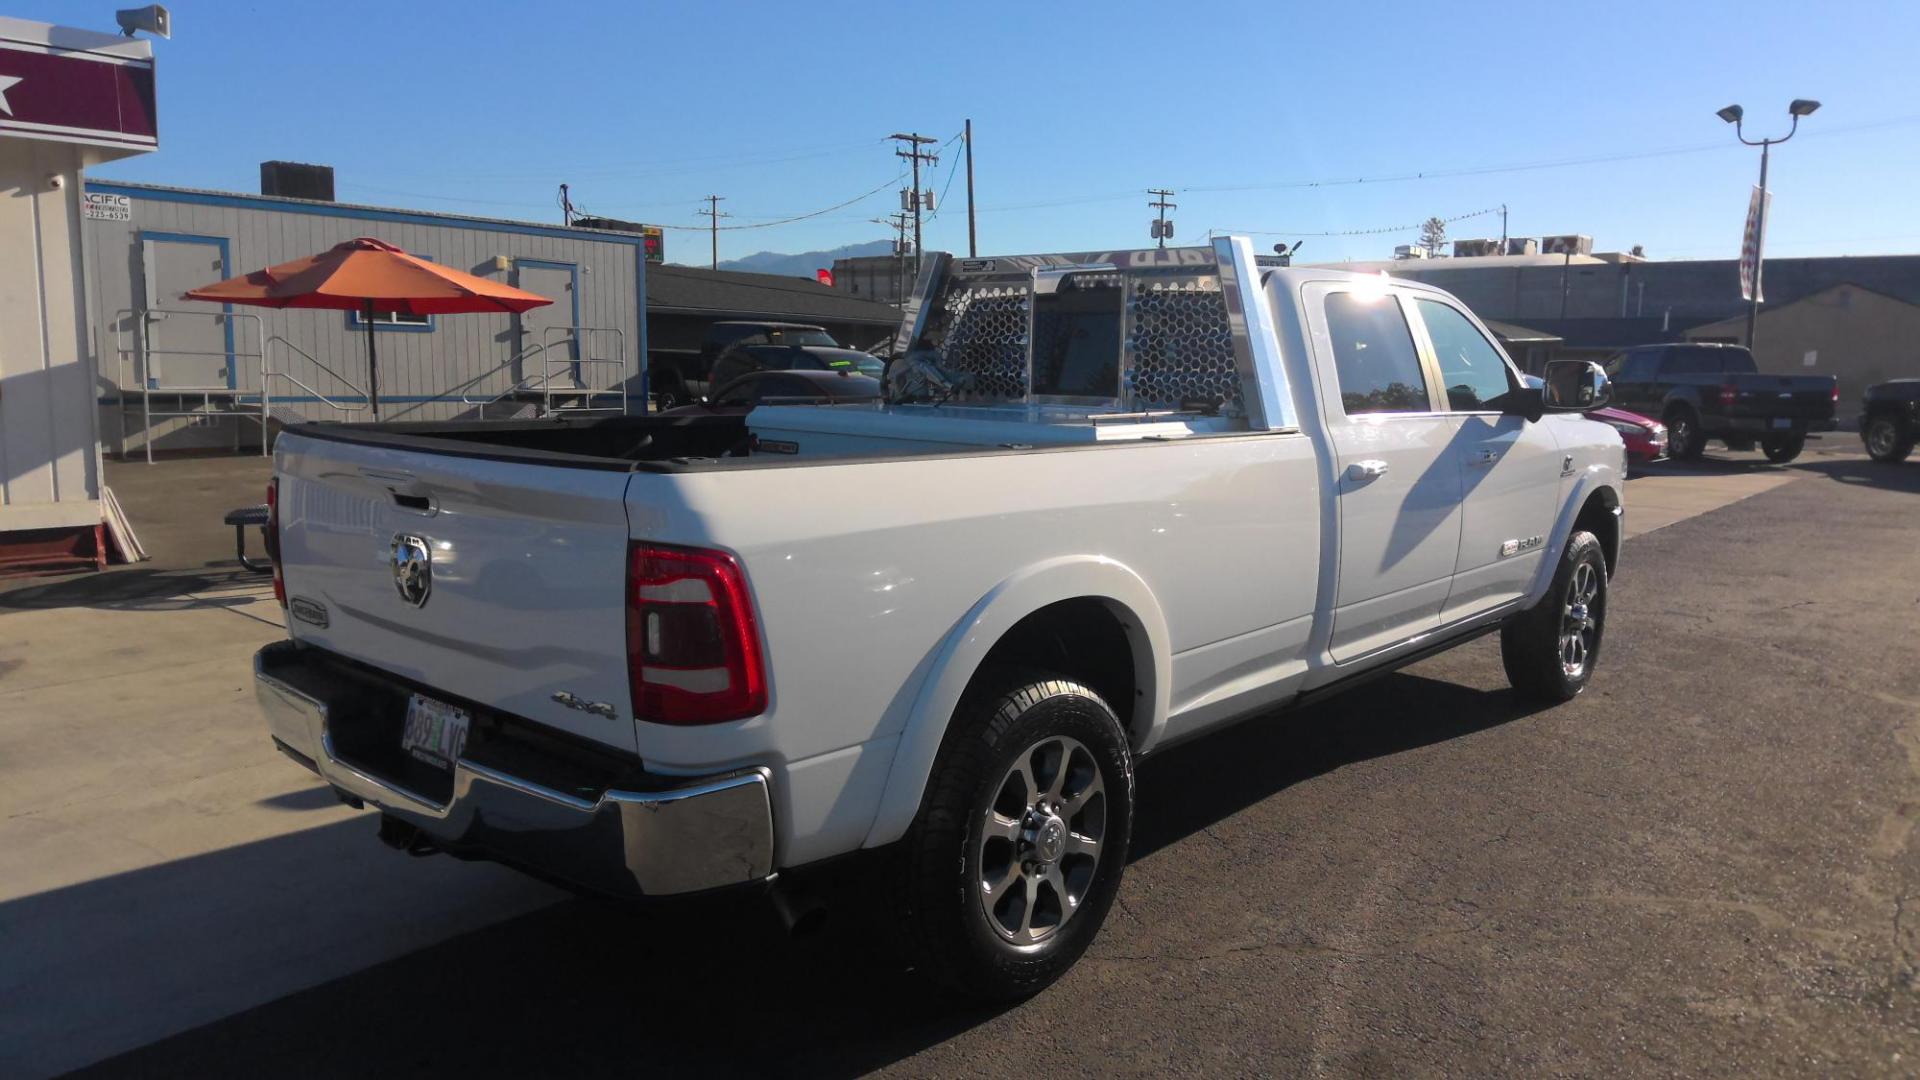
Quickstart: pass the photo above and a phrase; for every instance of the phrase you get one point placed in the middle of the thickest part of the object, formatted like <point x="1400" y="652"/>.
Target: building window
<point x="389" y="320"/>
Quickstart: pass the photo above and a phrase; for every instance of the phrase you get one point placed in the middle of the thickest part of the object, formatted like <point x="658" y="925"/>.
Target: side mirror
<point x="1576" y="386"/>
<point x="1529" y="403"/>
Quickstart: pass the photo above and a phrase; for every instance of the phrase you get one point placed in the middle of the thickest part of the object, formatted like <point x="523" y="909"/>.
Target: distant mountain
<point x="805" y="263"/>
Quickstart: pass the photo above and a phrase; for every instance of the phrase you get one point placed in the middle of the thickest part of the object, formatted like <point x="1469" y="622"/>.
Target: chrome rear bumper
<point x="701" y="834"/>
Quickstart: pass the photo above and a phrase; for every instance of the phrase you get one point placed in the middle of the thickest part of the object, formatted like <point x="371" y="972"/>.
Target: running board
<point x="1438" y="645"/>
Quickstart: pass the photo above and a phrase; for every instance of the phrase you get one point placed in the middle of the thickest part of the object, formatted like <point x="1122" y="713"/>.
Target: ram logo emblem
<point x="412" y="564"/>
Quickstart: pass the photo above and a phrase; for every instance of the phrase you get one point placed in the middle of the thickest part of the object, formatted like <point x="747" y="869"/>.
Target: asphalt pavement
<point x="1706" y="865"/>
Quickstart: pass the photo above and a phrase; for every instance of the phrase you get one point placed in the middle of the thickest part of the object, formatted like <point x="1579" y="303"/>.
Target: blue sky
<point x="646" y="107"/>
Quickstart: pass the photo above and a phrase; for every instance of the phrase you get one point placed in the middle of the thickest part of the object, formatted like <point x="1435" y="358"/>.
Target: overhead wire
<point x="1378" y="231"/>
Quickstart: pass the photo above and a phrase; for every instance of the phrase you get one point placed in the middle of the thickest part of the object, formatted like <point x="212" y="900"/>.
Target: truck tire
<point x="1550" y="649"/>
<point x="1783" y="448"/>
<point x="672" y="394"/>
<point x="1021" y="842"/>
<point x="1685" y="441"/>
<point x="1884" y="441"/>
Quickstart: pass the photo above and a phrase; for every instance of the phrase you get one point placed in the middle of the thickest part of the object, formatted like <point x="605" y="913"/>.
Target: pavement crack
<point x="1907" y="953"/>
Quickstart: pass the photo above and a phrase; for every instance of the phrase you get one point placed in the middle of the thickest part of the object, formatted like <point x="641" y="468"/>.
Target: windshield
<point x="802" y="337"/>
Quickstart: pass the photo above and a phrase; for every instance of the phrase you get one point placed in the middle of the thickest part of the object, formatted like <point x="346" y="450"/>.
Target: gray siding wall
<point x="423" y="374"/>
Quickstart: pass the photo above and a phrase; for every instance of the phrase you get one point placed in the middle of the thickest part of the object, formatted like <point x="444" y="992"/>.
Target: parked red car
<point x="1646" y="438"/>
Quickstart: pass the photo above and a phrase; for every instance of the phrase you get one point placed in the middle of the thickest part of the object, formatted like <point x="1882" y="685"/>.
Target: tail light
<point x="693" y="645"/>
<point x="1727" y="393"/>
<point x="1836" y="391"/>
<point x="273" y="539"/>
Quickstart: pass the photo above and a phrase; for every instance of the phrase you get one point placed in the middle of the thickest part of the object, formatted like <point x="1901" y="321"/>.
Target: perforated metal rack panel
<point x="1179" y="343"/>
<point x="987" y="339"/>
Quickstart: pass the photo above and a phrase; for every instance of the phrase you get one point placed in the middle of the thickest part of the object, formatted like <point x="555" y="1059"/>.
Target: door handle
<point x="1483" y="458"/>
<point x="1366" y="470"/>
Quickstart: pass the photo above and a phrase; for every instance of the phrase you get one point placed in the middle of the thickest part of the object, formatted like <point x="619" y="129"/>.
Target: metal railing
<point x="568" y="364"/>
<point x="141" y="372"/>
<point x="268" y="373"/>
<point x="141" y="375"/>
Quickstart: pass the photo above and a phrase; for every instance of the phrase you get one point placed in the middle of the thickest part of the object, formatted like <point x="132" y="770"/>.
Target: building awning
<point x="1510" y="334"/>
<point x="732" y="294"/>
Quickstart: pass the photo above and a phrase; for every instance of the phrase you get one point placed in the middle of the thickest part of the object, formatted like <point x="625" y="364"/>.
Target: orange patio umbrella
<point x="374" y="278"/>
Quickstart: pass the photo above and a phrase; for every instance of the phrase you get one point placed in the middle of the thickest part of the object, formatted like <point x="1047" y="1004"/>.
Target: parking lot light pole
<point x="1733" y="114"/>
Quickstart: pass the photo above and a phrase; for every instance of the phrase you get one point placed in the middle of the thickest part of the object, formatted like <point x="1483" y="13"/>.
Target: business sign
<point x="1757" y="208"/>
<point x="102" y="207"/>
<point x="75" y="86"/>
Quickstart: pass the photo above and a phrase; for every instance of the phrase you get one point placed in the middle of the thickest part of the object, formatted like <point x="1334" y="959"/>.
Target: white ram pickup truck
<point x="1111" y="501"/>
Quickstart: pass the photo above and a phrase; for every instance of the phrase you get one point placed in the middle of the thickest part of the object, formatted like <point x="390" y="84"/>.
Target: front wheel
<point x="1884" y="442"/>
<point x="1549" y="650"/>
<point x="1781" y="449"/>
<point x="1021" y="843"/>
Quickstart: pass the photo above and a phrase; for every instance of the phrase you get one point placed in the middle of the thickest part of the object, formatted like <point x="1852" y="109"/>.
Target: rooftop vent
<point x="292" y="180"/>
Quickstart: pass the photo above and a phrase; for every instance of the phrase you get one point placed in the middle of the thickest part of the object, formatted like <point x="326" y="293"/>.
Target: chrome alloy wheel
<point x="1881" y="438"/>
<point x="1580" y="624"/>
<point x="1041" y="839"/>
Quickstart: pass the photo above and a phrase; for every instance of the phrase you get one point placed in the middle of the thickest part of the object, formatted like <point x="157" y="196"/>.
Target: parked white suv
<point x="1115" y="501"/>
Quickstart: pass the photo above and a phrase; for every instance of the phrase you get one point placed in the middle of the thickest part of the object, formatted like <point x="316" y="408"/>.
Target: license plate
<point x="435" y="732"/>
<point x="1782" y="422"/>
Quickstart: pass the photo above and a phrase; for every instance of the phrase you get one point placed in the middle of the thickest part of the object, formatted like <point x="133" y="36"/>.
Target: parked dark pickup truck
<point x="1890" y="419"/>
<point x="681" y="379"/>
<point x="1705" y="391"/>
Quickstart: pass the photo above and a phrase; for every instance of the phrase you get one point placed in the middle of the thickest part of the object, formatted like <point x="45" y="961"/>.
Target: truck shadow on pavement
<point x="588" y="987"/>
<point x="138" y="588"/>
<point x="1869" y="473"/>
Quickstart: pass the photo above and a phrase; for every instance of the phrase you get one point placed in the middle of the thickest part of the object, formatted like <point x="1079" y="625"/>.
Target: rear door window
<point x="1693" y="362"/>
<point x="1373" y="355"/>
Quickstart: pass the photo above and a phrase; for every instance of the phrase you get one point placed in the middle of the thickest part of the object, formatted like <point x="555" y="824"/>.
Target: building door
<point x="547" y="326"/>
<point x="185" y="344"/>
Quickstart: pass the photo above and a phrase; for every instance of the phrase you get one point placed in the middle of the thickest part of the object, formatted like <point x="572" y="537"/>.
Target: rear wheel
<point x="1549" y="650"/>
<point x="1885" y="443"/>
<point x="671" y="395"/>
<point x="1684" y="440"/>
<point x="1781" y="449"/>
<point x="1021" y="843"/>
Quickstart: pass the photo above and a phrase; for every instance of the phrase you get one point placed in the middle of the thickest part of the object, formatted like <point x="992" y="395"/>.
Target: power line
<point x="1384" y="229"/>
<point x="797" y="217"/>
<point x="952" y="169"/>
<point x="1440" y="174"/>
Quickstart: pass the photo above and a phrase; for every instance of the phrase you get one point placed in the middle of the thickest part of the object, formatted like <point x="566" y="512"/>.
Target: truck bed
<point x="803" y="434"/>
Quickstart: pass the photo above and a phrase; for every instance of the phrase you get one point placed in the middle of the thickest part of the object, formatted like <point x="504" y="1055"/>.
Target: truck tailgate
<point x="1801" y="397"/>
<point x="525" y="577"/>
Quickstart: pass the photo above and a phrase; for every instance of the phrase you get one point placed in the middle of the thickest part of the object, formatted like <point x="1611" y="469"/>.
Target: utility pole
<point x="1503" y="230"/>
<point x="971" y="246"/>
<point x="898" y="223"/>
<point x="566" y="206"/>
<point x="713" y="215"/>
<point x="916" y="200"/>
<point x="1161" y="228"/>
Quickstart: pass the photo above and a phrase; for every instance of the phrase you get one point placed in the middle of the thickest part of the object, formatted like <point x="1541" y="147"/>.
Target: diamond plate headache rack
<point x="1177" y="335"/>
